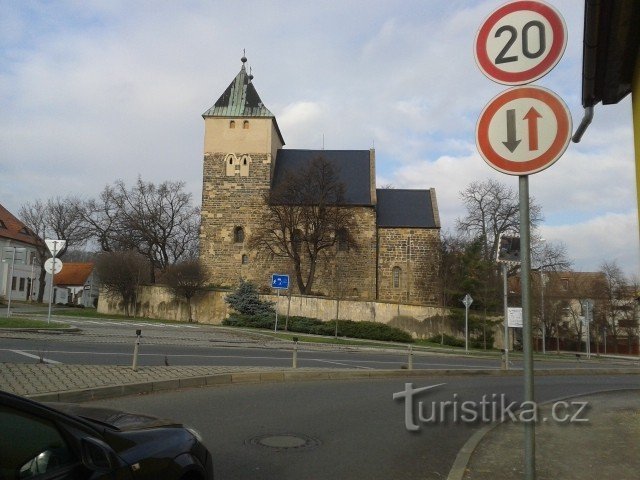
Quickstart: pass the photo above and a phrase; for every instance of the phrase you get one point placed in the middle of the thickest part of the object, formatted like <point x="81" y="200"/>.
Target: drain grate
<point x="284" y="441"/>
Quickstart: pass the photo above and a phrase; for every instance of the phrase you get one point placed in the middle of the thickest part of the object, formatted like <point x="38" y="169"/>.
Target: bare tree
<point x="492" y="209"/>
<point x="613" y="290"/>
<point x="185" y="280"/>
<point x="58" y="218"/>
<point x="305" y="218"/>
<point x="157" y="221"/>
<point x="120" y="274"/>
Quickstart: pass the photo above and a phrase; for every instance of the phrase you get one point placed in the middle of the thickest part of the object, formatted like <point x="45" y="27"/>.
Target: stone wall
<point x="229" y="202"/>
<point x="209" y="307"/>
<point x="415" y="254"/>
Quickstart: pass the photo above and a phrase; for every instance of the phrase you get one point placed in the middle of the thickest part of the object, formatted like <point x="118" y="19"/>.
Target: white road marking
<point x="340" y="363"/>
<point x="30" y="355"/>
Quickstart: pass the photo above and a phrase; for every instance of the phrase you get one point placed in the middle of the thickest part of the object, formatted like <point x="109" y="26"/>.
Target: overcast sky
<point x="93" y="91"/>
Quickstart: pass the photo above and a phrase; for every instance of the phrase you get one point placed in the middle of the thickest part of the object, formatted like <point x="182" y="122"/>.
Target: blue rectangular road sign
<point x="280" y="281"/>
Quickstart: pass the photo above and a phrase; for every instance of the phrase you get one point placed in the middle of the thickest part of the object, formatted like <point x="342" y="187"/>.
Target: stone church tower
<point x="240" y="144"/>
<point x="397" y="233"/>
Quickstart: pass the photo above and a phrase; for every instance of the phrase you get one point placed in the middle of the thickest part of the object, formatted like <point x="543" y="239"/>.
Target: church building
<point x="398" y="231"/>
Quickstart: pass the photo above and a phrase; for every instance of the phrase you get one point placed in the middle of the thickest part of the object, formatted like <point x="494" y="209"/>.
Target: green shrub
<point x="245" y="300"/>
<point x="447" y="340"/>
<point x="346" y="328"/>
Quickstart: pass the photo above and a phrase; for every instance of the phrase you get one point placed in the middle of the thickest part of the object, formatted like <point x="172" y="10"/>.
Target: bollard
<point x="135" y="350"/>
<point x="295" y="352"/>
<point x="505" y="365"/>
<point x="410" y="360"/>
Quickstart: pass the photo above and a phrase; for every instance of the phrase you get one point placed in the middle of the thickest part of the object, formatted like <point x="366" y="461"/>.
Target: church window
<point x="230" y="161"/>
<point x="245" y="124"/>
<point x="355" y="293"/>
<point x="296" y="240"/>
<point x="238" y="235"/>
<point x="245" y="259"/>
<point x="342" y="239"/>
<point x="232" y="124"/>
<point x="396" y="277"/>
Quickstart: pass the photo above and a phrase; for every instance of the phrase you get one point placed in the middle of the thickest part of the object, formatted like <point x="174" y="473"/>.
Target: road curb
<point x="218" y="379"/>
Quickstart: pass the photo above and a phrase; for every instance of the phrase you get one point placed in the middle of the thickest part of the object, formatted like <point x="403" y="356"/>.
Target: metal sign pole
<point x="527" y="331"/>
<point x="277" y="301"/>
<point x="53" y="272"/>
<point x="505" y="342"/>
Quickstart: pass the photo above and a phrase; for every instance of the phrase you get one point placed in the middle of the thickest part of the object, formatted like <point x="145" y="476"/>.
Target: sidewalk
<point x="605" y="447"/>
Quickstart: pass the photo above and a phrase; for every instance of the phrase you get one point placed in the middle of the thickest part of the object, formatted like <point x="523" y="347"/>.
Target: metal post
<point x="466" y="328"/>
<point x="295" y="352"/>
<point x="506" y="315"/>
<point x="10" y="283"/>
<point x="588" y="322"/>
<point x="543" y="281"/>
<point x="525" y="258"/>
<point x="53" y="272"/>
<point x="605" y="340"/>
<point x="410" y="359"/>
<point x="277" y="301"/>
<point x="135" y="350"/>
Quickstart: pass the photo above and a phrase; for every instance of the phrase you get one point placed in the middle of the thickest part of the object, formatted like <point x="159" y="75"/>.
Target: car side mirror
<point x="97" y="455"/>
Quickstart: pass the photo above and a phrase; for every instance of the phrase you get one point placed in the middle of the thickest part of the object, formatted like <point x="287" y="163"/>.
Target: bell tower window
<point x="245" y="124"/>
<point x="238" y="235"/>
<point x="232" y="124"/>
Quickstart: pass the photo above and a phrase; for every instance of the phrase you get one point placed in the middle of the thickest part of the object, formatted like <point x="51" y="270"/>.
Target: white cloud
<point x="99" y="90"/>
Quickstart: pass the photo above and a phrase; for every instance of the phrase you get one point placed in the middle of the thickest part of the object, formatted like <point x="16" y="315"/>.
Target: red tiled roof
<point x="73" y="274"/>
<point x="14" y="229"/>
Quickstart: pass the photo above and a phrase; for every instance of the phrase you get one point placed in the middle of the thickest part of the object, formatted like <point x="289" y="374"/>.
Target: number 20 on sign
<point x="520" y="42"/>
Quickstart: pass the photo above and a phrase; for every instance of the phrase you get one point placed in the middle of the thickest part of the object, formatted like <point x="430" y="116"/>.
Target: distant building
<point x="19" y="272"/>
<point x="398" y="230"/>
<point x="79" y="282"/>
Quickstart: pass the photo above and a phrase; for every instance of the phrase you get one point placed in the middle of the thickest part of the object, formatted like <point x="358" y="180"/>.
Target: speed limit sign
<point x="520" y="42"/>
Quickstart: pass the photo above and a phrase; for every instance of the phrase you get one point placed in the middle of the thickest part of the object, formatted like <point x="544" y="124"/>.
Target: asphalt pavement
<point x="605" y="447"/>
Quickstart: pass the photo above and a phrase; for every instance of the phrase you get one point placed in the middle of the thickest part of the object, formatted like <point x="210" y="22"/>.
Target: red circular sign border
<point x="553" y="56"/>
<point x="545" y="159"/>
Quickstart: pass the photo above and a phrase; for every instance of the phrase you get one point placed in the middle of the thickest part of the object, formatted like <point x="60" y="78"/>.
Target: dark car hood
<point x="114" y="418"/>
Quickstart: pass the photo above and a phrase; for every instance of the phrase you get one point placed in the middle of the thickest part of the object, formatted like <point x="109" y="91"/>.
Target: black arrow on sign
<point x="511" y="142"/>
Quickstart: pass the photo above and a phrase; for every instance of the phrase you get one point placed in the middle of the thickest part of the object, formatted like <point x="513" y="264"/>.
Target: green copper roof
<point x="240" y="99"/>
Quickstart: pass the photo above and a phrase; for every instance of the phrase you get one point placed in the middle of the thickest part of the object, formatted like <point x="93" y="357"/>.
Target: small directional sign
<point x="280" y="282"/>
<point x="467" y="300"/>
<point x="523" y="130"/>
<point x="520" y="42"/>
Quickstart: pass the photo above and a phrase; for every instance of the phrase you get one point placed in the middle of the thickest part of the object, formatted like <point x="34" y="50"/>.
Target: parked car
<point x="69" y="441"/>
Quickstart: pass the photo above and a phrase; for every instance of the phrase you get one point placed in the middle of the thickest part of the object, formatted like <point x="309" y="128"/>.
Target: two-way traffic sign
<point x="523" y="130"/>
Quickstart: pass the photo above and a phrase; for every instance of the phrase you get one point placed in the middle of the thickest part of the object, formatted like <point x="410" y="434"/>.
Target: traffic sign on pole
<point x="520" y="42"/>
<point x="53" y="266"/>
<point x="523" y="130"/>
<point x="280" y="282"/>
<point x="55" y="246"/>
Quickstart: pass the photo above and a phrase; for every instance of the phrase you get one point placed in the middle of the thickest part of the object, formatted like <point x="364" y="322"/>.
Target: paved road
<point x="352" y="430"/>
<point x="111" y="343"/>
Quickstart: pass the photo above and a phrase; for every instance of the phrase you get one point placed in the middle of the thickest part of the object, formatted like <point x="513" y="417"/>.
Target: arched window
<point x="232" y="124"/>
<point x="342" y="239"/>
<point x="245" y="124"/>
<point x="230" y="160"/>
<point x="245" y="259"/>
<point x="396" y="277"/>
<point x="238" y="235"/>
<point x="296" y="240"/>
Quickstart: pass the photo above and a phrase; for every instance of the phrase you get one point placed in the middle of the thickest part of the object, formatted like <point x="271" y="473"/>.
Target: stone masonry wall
<point x="229" y="202"/>
<point x="415" y="252"/>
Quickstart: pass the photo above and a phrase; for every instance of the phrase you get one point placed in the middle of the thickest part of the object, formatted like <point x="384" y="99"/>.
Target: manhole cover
<point x="284" y="441"/>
